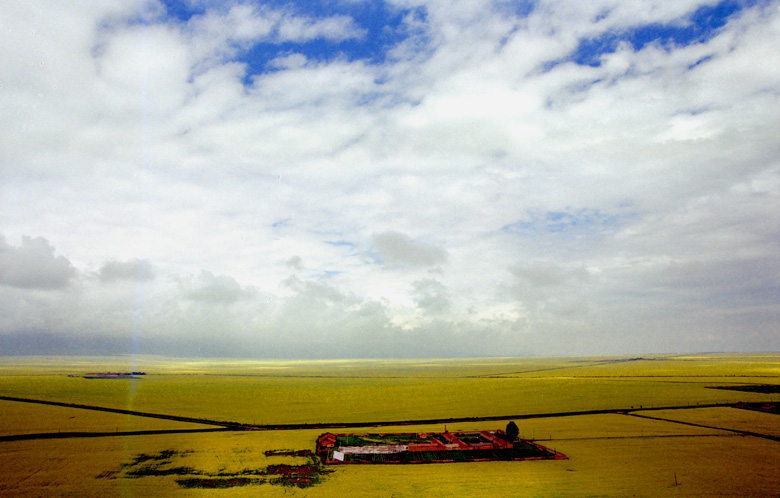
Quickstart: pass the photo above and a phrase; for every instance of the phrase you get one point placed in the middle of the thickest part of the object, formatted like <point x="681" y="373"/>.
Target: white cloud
<point x="333" y="28"/>
<point x="33" y="265"/>
<point x="396" y="248"/>
<point x="221" y="32"/>
<point x="431" y="296"/>
<point x="548" y="274"/>
<point x="463" y="186"/>
<point x="210" y="288"/>
<point x="295" y="262"/>
<point x="135" y="270"/>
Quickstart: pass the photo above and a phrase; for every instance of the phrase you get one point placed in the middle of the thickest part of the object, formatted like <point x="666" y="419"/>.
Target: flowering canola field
<point x="691" y="452"/>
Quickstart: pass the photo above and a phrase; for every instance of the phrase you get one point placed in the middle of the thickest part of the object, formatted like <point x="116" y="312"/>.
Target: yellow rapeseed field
<point x="294" y="392"/>
<point x="611" y="455"/>
<point x="724" y="417"/>
<point x="29" y="418"/>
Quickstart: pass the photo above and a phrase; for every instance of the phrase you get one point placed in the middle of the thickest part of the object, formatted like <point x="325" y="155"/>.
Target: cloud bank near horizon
<point x="394" y="178"/>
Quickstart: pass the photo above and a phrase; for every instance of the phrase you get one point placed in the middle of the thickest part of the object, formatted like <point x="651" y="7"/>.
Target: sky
<point x="389" y="178"/>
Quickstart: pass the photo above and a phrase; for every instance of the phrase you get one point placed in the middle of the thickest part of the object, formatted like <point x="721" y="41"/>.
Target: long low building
<point x="428" y="447"/>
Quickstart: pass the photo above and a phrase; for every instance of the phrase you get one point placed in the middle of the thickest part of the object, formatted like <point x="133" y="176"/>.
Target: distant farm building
<point x="428" y="448"/>
<point x="114" y="375"/>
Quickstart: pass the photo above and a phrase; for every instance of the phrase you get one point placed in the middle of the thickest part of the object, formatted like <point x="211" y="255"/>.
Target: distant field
<point x="354" y="391"/>
<point x="27" y="418"/>
<point x="727" y="418"/>
<point x="609" y="455"/>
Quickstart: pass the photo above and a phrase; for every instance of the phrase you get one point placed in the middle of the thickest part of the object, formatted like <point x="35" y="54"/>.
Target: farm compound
<point x="428" y="448"/>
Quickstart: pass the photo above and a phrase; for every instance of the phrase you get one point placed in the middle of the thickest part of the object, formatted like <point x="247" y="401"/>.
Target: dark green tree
<point x="512" y="431"/>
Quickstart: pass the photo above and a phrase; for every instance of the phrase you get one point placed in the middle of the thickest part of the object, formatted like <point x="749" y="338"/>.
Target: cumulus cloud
<point x="431" y="296"/>
<point x="548" y="274"/>
<point x="578" y="176"/>
<point x="213" y="289"/>
<point x="334" y="28"/>
<point x="221" y="32"/>
<point x="396" y="248"/>
<point x="33" y="265"/>
<point x="134" y="270"/>
<point x="295" y="263"/>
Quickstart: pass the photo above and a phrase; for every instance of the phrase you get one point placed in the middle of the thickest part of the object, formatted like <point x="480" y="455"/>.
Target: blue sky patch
<point x="282" y="223"/>
<point x="340" y="243"/>
<point x="569" y="221"/>
<point x="521" y="9"/>
<point x="700" y="62"/>
<point x="382" y="23"/>
<point x="698" y="27"/>
<point x="180" y="11"/>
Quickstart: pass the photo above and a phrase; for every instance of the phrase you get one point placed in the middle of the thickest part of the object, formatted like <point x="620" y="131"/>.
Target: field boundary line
<point x="75" y="434"/>
<point x="694" y="424"/>
<point x="656" y="436"/>
<point x="381" y="423"/>
<point x="230" y="425"/>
